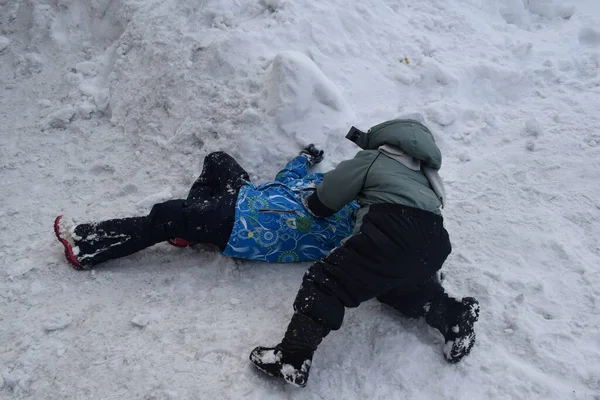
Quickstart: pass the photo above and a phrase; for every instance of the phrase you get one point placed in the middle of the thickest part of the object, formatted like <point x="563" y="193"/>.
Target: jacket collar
<point x="400" y="155"/>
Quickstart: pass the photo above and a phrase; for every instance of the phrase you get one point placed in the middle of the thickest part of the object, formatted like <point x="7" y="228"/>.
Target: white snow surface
<point x="108" y="105"/>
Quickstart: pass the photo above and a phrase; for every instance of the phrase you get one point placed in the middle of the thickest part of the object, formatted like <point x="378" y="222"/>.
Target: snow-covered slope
<point x="107" y="106"/>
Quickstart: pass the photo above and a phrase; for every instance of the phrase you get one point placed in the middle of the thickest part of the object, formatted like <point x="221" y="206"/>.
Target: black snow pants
<point x="206" y="216"/>
<point x="394" y="257"/>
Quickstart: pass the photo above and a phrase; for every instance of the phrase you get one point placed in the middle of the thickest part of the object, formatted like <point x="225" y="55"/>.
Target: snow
<point x="57" y="322"/>
<point x="4" y="43"/>
<point x="270" y="356"/>
<point x="300" y="96"/>
<point x="107" y="106"/>
<point x="140" y="320"/>
<point x="292" y="375"/>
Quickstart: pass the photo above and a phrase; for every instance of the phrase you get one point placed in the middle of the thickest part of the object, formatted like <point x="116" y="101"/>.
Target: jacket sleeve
<point x="297" y="168"/>
<point x="339" y="187"/>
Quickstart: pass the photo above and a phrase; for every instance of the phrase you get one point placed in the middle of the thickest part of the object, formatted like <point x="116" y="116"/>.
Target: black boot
<point x="292" y="358"/>
<point x="87" y="245"/>
<point x="293" y="366"/>
<point x="455" y="320"/>
<point x="107" y="240"/>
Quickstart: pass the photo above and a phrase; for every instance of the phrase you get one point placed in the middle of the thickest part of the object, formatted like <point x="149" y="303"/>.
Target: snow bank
<point x="305" y="103"/>
<point x="524" y="13"/>
<point x="550" y="8"/>
<point x="75" y="37"/>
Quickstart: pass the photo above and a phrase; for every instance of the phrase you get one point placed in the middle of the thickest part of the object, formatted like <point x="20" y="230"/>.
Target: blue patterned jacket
<point x="271" y="224"/>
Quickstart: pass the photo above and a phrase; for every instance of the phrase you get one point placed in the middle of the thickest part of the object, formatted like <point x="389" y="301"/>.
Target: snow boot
<point x="89" y="244"/>
<point x="455" y="320"/>
<point x="460" y="336"/>
<point x="293" y="366"/>
<point x="292" y="358"/>
<point x="63" y="229"/>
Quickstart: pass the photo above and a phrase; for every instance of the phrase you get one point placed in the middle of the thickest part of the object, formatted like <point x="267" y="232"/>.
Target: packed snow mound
<point x="306" y="104"/>
<point x="78" y="22"/>
<point x="66" y="25"/>
<point x="74" y="38"/>
<point x="523" y="13"/>
<point x="550" y="8"/>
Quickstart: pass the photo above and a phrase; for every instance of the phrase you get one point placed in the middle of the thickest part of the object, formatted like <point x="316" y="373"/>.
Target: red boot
<point x="62" y="229"/>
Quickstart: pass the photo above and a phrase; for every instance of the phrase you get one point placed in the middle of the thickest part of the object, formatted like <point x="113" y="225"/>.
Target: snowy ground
<point x="107" y="106"/>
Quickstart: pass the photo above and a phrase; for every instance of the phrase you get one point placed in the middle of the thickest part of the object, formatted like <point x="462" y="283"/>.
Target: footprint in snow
<point x="102" y="170"/>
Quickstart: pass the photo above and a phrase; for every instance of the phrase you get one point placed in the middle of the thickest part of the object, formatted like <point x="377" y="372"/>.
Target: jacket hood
<point x="411" y="135"/>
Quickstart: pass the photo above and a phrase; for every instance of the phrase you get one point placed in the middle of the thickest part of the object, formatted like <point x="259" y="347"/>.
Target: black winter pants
<point x="206" y="216"/>
<point x="394" y="257"/>
<point x="221" y="175"/>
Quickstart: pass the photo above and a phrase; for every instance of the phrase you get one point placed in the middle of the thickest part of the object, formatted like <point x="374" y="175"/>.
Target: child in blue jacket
<point x="223" y="208"/>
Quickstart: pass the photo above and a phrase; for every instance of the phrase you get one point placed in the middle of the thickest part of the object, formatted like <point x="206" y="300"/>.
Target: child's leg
<point x="454" y="318"/>
<point x="207" y="222"/>
<point x="220" y="174"/>
<point x="415" y="300"/>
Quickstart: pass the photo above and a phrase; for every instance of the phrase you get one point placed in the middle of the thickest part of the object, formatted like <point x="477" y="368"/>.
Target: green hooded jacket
<point x="374" y="176"/>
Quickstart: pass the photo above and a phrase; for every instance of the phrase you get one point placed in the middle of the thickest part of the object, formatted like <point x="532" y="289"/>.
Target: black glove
<point x="314" y="154"/>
